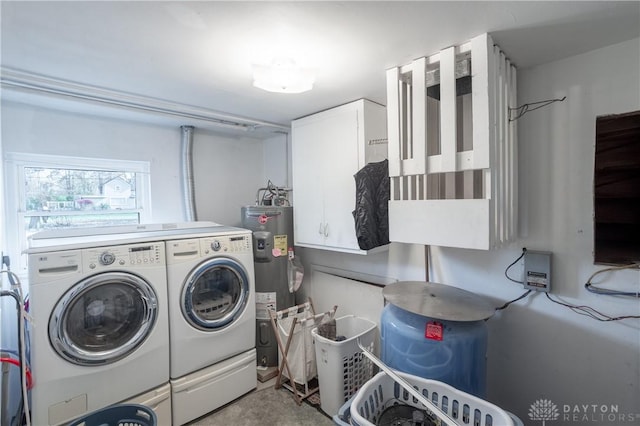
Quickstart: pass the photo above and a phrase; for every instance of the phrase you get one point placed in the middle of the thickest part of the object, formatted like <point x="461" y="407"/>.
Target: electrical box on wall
<point x="537" y="270"/>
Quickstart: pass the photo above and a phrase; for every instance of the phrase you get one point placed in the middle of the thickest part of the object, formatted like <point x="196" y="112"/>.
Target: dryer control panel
<point x="226" y="244"/>
<point x="125" y="255"/>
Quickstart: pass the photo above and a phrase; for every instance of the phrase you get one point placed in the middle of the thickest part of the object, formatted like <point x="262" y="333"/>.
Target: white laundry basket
<point x="342" y="368"/>
<point x="382" y="392"/>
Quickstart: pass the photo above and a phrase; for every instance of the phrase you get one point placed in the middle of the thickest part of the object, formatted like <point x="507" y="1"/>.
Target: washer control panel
<point x="226" y="244"/>
<point x="125" y="255"/>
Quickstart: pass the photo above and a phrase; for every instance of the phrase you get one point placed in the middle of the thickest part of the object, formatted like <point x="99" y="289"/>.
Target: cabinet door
<point x="328" y="149"/>
<point x="308" y="168"/>
<point x="340" y="159"/>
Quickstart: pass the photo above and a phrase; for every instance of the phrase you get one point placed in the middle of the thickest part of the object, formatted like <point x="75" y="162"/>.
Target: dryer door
<point x="103" y="318"/>
<point x="215" y="294"/>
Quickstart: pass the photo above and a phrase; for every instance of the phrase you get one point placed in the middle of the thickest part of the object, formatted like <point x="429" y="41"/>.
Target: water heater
<point x="272" y="228"/>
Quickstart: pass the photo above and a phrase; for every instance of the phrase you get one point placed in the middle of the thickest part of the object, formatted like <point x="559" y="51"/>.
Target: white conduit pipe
<point x="24" y="81"/>
<point x="188" y="189"/>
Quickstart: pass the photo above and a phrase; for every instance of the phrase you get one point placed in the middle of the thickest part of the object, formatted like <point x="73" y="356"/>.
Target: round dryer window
<point x="103" y="318"/>
<point x="215" y="293"/>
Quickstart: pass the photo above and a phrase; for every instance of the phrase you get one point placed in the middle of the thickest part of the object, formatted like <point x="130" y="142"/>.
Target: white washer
<point x="212" y="321"/>
<point x="100" y="326"/>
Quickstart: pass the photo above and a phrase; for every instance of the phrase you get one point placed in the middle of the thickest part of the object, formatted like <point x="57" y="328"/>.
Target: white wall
<point x="228" y="168"/>
<point x="277" y="160"/>
<point x="538" y="349"/>
<point x="401" y="262"/>
<point x="227" y="172"/>
<point x="30" y="129"/>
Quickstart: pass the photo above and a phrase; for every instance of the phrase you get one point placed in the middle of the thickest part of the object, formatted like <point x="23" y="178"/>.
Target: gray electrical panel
<point x="537" y="270"/>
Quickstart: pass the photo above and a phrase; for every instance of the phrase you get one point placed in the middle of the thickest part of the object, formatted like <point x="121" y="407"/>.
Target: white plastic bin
<point x="342" y="368"/>
<point x="343" y="418"/>
<point x="382" y="391"/>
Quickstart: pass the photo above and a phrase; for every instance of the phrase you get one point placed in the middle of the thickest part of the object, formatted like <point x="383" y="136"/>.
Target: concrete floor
<point x="266" y="406"/>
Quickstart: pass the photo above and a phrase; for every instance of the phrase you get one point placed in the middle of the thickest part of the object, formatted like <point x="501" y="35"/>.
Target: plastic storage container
<point x="343" y="418"/>
<point x="458" y="358"/>
<point x="342" y="368"/>
<point x="437" y="332"/>
<point x="119" y="415"/>
<point x="382" y="391"/>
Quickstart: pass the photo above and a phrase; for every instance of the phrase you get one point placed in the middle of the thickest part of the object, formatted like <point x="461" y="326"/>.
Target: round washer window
<point x="215" y="293"/>
<point x="103" y="318"/>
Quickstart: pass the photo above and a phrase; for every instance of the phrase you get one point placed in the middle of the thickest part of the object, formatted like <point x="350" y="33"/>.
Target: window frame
<point x="15" y="192"/>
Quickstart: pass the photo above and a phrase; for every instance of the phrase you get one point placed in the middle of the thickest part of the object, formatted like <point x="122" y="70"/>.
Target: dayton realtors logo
<point x="545" y="410"/>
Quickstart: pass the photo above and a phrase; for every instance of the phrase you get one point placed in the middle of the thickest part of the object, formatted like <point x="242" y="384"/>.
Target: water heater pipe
<point x="187" y="173"/>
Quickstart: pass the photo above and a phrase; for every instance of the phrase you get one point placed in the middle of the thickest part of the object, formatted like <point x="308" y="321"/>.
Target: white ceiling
<point x="200" y="53"/>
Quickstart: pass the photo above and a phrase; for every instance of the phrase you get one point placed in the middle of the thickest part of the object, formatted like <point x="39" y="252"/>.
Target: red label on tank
<point x="263" y="219"/>
<point x="433" y="331"/>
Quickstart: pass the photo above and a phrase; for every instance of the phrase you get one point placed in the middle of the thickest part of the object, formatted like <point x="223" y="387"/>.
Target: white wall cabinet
<point x="328" y="148"/>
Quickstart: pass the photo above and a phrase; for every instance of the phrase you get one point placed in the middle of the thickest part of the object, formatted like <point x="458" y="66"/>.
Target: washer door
<point x="215" y="294"/>
<point x="103" y="318"/>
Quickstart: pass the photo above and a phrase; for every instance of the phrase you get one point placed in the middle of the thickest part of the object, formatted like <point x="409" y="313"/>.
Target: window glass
<point x="71" y="198"/>
<point x="52" y="192"/>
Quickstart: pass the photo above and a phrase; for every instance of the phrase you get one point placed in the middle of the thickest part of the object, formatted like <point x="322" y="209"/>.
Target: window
<point x="617" y="189"/>
<point x="54" y="192"/>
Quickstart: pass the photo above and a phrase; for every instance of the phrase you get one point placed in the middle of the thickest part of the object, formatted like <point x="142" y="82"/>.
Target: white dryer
<point x="100" y="326"/>
<point x="212" y="321"/>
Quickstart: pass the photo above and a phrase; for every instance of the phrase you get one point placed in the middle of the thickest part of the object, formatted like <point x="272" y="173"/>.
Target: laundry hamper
<point x="297" y="368"/>
<point x="119" y="415"/>
<point x="342" y="367"/>
<point x="293" y="326"/>
<point x="382" y="392"/>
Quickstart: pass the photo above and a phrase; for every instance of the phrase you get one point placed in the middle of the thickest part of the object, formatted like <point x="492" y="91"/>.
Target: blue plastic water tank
<point x="433" y="346"/>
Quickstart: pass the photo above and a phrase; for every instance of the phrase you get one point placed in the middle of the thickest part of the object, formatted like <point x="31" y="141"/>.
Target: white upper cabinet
<point x="452" y="148"/>
<point x="328" y="148"/>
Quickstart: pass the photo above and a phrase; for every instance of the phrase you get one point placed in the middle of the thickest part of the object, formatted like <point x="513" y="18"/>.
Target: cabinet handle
<point x="320" y="230"/>
<point x="326" y="229"/>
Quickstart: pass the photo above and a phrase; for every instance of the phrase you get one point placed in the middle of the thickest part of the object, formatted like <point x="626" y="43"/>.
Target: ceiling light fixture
<point x="283" y="76"/>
